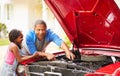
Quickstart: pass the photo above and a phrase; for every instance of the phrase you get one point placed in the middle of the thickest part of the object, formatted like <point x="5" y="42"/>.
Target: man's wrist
<point x="42" y="54"/>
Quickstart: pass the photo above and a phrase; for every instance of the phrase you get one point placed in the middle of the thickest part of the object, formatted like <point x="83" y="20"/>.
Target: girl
<point x="13" y="56"/>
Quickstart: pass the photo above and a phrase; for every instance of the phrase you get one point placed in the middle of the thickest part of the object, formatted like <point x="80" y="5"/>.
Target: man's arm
<point x="58" y="41"/>
<point x="69" y="54"/>
<point x="30" y="42"/>
<point x="47" y="55"/>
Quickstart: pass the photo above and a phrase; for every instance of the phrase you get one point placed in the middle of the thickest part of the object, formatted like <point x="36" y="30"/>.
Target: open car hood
<point x="93" y="24"/>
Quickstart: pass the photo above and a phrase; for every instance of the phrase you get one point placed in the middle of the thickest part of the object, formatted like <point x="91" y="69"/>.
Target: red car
<point x="93" y="26"/>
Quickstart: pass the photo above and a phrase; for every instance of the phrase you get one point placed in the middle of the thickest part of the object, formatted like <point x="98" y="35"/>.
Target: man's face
<point x="40" y="30"/>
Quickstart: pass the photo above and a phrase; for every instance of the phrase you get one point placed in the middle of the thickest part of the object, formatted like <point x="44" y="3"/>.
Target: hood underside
<point x="89" y="23"/>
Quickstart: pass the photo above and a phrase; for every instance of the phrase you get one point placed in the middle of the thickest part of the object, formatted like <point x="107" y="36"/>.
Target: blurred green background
<point x="4" y="41"/>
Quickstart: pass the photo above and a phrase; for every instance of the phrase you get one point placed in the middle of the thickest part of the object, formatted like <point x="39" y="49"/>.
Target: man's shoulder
<point x="31" y="31"/>
<point x="51" y="34"/>
<point x="49" y="31"/>
<point x="30" y="34"/>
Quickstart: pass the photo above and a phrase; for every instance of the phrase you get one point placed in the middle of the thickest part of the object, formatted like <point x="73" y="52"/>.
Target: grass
<point x="4" y="41"/>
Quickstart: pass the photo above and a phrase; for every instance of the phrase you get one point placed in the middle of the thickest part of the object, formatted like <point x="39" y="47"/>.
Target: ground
<point x="3" y="50"/>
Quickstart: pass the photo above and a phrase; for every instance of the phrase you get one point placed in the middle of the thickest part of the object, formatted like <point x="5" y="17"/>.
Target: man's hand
<point x="47" y="55"/>
<point x="50" y="56"/>
<point x="70" y="55"/>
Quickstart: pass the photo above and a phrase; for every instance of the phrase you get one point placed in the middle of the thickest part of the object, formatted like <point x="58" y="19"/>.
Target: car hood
<point x="93" y="24"/>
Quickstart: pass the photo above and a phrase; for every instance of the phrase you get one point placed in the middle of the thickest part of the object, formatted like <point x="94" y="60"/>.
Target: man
<point x="37" y="40"/>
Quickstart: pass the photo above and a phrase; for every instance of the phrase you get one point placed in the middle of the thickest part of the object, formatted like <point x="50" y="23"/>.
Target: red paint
<point x="89" y="23"/>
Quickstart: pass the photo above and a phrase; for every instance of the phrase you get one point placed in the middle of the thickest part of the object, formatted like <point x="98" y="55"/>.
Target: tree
<point x="3" y="29"/>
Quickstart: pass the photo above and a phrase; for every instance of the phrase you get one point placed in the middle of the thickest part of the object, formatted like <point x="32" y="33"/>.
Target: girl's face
<point x="19" y="39"/>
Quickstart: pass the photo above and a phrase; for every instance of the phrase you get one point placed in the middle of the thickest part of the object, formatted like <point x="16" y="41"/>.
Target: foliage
<point x="4" y="41"/>
<point x="3" y="29"/>
<point x="67" y="41"/>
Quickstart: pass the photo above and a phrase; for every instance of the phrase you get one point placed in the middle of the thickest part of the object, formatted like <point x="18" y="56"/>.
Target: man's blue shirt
<point x="49" y="37"/>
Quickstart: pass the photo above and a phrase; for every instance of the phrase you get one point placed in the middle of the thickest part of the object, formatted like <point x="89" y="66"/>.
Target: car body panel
<point x="89" y="23"/>
<point x="93" y="26"/>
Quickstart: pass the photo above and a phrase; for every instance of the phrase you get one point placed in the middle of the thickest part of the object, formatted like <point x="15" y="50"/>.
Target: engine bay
<point x="65" y="67"/>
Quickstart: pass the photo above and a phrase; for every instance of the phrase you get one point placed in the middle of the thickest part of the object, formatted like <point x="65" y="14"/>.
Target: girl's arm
<point x="20" y="58"/>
